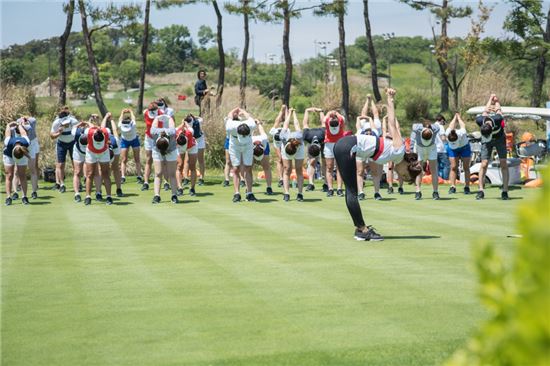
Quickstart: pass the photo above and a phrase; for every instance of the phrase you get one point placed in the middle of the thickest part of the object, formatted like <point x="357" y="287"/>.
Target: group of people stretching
<point x="98" y="149"/>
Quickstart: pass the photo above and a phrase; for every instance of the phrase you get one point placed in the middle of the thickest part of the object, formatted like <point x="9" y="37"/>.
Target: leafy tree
<point x="205" y="36"/>
<point x="69" y="9"/>
<point x="528" y="22"/>
<point x="128" y="73"/>
<point x="176" y="47"/>
<point x="11" y="71"/>
<point x="517" y="297"/>
<point x="80" y="84"/>
<point x="154" y="63"/>
<point x="267" y="79"/>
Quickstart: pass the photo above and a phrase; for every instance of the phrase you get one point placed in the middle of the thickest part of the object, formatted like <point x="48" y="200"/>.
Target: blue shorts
<point x="62" y="148"/>
<point x="226" y="143"/>
<point x="461" y="152"/>
<point x="125" y="144"/>
<point x="266" y="150"/>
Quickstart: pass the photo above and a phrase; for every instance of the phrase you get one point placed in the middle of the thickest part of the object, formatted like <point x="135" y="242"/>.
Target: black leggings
<point x="348" y="171"/>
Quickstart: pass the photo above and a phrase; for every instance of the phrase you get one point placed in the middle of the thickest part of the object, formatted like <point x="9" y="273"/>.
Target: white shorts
<point x="300" y="154"/>
<point x="201" y="142"/>
<point x="24" y="161"/>
<point x="241" y="155"/>
<point x="328" y="151"/>
<point x="92" y="158"/>
<point x="34" y="148"/>
<point x="148" y="143"/>
<point x="78" y="156"/>
<point x="426" y="153"/>
<point x="171" y="156"/>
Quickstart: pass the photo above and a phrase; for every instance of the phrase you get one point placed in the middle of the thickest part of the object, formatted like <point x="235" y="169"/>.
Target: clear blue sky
<point x="25" y="20"/>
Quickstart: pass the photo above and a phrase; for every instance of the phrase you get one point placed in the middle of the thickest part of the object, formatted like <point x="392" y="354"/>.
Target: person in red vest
<point x="97" y="158"/>
<point x="334" y="131"/>
<point x="149" y="115"/>
<point x="186" y="143"/>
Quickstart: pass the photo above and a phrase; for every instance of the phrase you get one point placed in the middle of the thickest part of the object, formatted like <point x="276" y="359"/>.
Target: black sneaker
<point x="145" y="186"/>
<point x="88" y="201"/>
<point x="237" y="197"/>
<point x="310" y="187"/>
<point x="8" y="201"/>
<point x="251" y="198"/>
<point x="300" y="197"/>
<point x="480" y="195"/>
<point x="77" y="198"/>
<point x="390" y="190"/>
<point x="156" y="200"/>
<point x="25" y="200"/>
<point x="56" y="187"/>
<point x="435" y="196"/>
<point x="225" y="183"/>
<point x="325" y="187"/>
<point x="139" y="179"/>
<point x="109" y="200"/>
<point x="98" y="197"/>
<point x="192" y="192"/>
<point x="201" y="182"/>
<point x="400" y="190"/>
<point x="243" y="183"/>
<point x="280" y="184"/>
<point x="119" y="192"/>
<point x="367" y="234"/>
<point x="377" y="196"/>
<point x="174" y="199"/>
<point x="62" y="189"/>
<point x="452" y="190"/>
<point x="504" y="196"/>
<point x="185" y="182"/>
<point x="418" y="196"/>
<point x="330" y="193"/>
<point x="340" y="192"/>
<point x="123" y="180"/>
<point x="466" y="190"/>
<point x="269" y="191"/>
<point x="166" y="186"/>
<point x="361" y="196"/>
<point x="286" y="197"/>
<point x="15" y="196"/>
<point x="180" y="191"/>
<point x="34" y="195"/>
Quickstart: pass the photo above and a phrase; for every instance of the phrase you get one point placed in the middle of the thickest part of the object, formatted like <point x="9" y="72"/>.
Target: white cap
<point x="98" y="144"/>
<point x="334" y="130"/>
<point x="126" y="127"/>
<point x="65" y="122"/>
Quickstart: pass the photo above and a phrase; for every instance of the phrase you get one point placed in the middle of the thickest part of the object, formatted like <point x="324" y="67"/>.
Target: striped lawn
<point x="209" y="282"/>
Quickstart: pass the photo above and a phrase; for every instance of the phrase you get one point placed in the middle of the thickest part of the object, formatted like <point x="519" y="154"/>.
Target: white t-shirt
<point x="366" y="146"/>
<point x="262" y="138"/>
<point x="236" y="139"/>
<point x="68" y="123"/>
<point x="438" y="141"/>
<point x="128" y="131"/>
<point x="461" y="141"/>
<point x="286" y="135"/>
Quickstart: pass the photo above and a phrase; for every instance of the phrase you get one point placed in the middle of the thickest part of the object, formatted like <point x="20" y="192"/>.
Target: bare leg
<point x="248" y="178"/>
<point x="192" y="166"/>
<point x="266" y="165"/>
<point x="78" y="167"/>
<point x="9" y="169"/>
<point x="328" y="174"/>
<point x="454" y="171"/>
<point x="179" y="170"/>
<point x="466" y="166"/>
<point x="482" y="171"/>
<point x="287" y="170"/>
<point x="202" y="166"/>
<point x="148" y="163"/>
<point x="124" y="161"/>
<point x="115" y="168"/>
<point x="137" y="160"/>
<point x="505" y="174"/>
<point x="299" y="163"/>
<point x="22" y="174"/>
<point x="158" y="177"/>
<point x="171" y="176"/>
<point x="227" y="167"/>
<point x="311" y="169"/>
<point x="106" y="176"/>
<point x="435" y="177"/>
<point x="360" y="166"/>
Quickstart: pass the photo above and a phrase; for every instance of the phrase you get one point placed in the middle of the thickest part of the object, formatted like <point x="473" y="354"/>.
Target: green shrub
<point x="416" y="105"/>
<point x="300" y="103"/>
<point x="518" y="298"/>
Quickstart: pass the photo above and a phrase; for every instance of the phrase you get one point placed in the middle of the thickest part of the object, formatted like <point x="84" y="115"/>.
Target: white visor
<point x="334" y="130"/>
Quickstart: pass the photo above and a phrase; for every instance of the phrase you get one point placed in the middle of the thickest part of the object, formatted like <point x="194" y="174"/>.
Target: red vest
<point x="91" y="146"/>
<point x="188" y="135"/>
<point x="329" y="137"/>
<point x="149" y="121"/>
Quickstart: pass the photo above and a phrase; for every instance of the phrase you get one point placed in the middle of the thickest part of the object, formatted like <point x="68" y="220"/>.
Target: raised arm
<point x="453" y="122"/>
<point x="104" y="121"/>
<point x="280" y="116"/>
<point x="365" y="109"/>
<point x="461" y="122"/>
<point x="375" y="112"/>
<point x="397" y="140"/>
<point x="231" y="112"/>
<point x="287" y="119"/>
<point x="7" y="133"/>
<point x="296" y="122"/>
<point x="385" y="125"/>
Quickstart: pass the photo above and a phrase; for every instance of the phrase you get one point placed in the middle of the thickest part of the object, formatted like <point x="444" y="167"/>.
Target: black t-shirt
<point x="498" y="124"/>
<point x="312" y="134"/>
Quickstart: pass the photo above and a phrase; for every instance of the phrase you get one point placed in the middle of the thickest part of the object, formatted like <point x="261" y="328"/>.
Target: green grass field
<point x="209" y="282"/>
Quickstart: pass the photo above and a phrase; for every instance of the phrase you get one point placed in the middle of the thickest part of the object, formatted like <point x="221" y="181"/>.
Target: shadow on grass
<point x="40" y="203"/>
<point x="125" y="203"/>
<point x="203" y="194"/>
<point x="447" y="198"/>
<point x="312" y="199"/>
<point x="188" y="201"/>
<point x="411" y="237"/>
<point x="130" y="195"/>
<point x="44" y="197"/>
<point x="388" y="199"/>
<point x="266" y="200"/>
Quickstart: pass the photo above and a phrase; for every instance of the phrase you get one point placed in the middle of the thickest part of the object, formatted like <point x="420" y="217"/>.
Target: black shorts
<point x="498" y="143"/>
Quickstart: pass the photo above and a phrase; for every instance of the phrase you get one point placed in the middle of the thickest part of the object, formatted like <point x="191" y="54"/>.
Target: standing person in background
<point x="292" y="149"/>
<point x="443" y="164"/>
<point x="491" y="123"/>
<point x="16" y="153"/>
<point x="239" y="125"/>
<point x="200" y="89"/>
<point x="315" y="138"/>
<point x="423" y="137"/>
<point x="334" y="131"/>
<point x="129" y="139"/>
<point x="149" y="115"/>
<point x="261" y="152"/>
<point x="458" y="149"/>
<point x="275" y="133"/>
<point x="61" y="132"/>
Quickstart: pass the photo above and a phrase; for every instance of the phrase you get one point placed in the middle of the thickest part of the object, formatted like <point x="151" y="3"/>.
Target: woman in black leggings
<point x="381" y="150"/>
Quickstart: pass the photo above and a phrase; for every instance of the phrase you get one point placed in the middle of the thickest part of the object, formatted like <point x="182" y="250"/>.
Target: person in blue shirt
<point x="200" y="89"/>
<point x="16" y="152"/>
